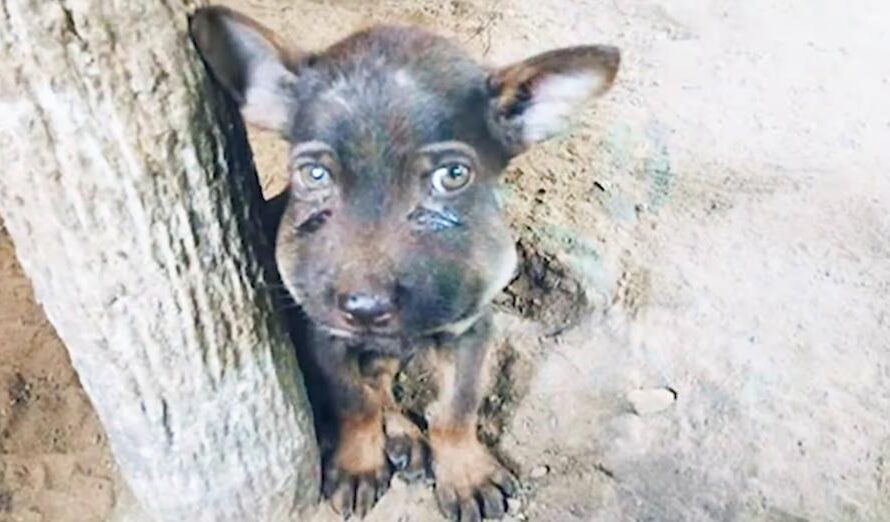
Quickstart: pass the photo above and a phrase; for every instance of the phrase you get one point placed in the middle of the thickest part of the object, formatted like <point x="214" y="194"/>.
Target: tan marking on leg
<point x="445" y="371"/>
<point x="440" y="411"/>
<point x="381" y="373"/>
<point x="460" y="459"/>
<point x="405" y="444"/>
<point x="360" y="443"/>
<point x="461" y="462"/>
<point x="395" y="424"/>
<point x="470" y="482"/>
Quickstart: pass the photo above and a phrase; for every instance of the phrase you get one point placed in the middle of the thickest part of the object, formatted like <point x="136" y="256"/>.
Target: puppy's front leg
<point x="356" y="471"/>
<point x="470" y="482"/>
<point x="405" y="446"/>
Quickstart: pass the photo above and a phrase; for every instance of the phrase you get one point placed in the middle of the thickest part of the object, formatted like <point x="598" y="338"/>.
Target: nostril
<point x="367" y="309"/>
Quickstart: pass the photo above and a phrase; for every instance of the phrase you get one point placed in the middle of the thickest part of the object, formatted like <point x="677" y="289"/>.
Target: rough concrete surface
<point x="702" y="329"/>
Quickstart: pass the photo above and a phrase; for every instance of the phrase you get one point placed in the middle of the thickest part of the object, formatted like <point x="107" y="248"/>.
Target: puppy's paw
<point x="405" y="447"/>
<point x="357" y="474"/>
<point x="470" y="483"/>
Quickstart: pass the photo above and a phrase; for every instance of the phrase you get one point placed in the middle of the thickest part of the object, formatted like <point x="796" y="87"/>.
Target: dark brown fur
<point x="390" y="236"/>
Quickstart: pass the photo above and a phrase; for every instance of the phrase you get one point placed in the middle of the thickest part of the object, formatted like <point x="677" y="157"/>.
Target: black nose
<point x="366" y="309"/>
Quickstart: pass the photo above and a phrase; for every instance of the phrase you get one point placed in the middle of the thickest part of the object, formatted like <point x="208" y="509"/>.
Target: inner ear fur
<point x="535" y="99"/>
<point x="250" y="62"/>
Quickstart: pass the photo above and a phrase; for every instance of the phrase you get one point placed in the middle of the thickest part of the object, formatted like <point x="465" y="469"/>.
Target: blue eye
<point x="451" y="177"/>
<point x="314" y="176"/>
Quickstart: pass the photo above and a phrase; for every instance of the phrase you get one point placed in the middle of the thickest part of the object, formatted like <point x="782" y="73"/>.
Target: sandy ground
<point x="723" y="214"/>
<point x="54" y="460"/>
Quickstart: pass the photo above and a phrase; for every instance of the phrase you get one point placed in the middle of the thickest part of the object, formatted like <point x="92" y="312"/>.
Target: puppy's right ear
<point x="250" y="62"/>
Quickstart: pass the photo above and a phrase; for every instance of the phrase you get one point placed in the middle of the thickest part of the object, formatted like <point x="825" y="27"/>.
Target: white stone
<point x="651" y="400"/>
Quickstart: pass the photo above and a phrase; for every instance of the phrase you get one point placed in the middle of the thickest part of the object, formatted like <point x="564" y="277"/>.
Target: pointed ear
<point x="250" y="62"/>
<point x="535" y="99"/>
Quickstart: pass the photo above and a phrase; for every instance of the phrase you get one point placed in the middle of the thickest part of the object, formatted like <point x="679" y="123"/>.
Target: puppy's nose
<point x="366" y="309"/>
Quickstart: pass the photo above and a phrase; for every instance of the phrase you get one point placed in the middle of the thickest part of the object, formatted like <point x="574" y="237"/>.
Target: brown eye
<point x="451" y="178"/>
<point x="314" y="176"/>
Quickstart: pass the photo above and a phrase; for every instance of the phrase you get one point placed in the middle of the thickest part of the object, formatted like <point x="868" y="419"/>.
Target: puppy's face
<point x="397" y="138"/>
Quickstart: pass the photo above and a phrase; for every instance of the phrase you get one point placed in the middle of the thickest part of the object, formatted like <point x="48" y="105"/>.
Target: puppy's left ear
<point x="535" y="99"/>
<point x="250" y="62"/>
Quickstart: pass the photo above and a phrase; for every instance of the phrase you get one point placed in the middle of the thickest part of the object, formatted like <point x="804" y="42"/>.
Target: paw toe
<point x="487" y="501"/>
<point x="469" y="511"/>
<point x="506" y="481"/>
<point x="398" y="450"/>
<point x="353" y="494"/>
<point x="408" y="456"/>
<point x="365" y="495"/>
<point x="343" y="498"/>
<point x="492" y="501"/>
<point x="449" y="503"/>
<point x="381" y="482"/>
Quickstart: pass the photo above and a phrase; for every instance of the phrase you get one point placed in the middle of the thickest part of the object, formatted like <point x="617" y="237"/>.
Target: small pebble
<point x="539" y="471"/>
<point x="651" y="400"/>
<point x="513" y="505"/>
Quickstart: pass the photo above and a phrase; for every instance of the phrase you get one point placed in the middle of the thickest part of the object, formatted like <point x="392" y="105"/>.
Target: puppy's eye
<point x="451" y="177"/>
<point x="314" y="176"/>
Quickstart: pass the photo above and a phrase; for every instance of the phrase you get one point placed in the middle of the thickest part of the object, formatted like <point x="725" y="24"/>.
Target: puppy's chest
<point x="411" y="364"/>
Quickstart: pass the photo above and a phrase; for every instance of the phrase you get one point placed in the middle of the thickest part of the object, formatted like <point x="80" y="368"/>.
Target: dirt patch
<point x="5" y="501"/>
<point x="19" y="392"/>
<point x="415" y="388"/>
<point x="54" y="460"/>
<point x="545" y="290"/>
<point x="512" y="374"/>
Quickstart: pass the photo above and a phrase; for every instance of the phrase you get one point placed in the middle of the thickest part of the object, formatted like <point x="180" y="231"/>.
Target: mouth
<point x="359" y="333"/>
<point x="453" y="328"/>
<point x="390" y="344"/>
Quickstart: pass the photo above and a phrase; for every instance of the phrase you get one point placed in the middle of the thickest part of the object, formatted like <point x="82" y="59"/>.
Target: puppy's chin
<point x="341" y="333"/>
<point x="346" y="331"/>
<point x="377" y="344"/>
<point x="387" y="346"/>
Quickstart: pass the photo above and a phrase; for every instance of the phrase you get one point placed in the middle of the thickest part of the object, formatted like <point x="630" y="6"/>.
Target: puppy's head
<point x="397" y="139"/>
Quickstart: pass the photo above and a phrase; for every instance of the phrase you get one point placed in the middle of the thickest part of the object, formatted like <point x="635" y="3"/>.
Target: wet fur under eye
<point x="435" y="220"/>
<point x="314" y="222"/>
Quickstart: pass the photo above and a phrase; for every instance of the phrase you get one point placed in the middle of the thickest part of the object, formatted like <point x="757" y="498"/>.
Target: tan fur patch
<point x="441" y="412"/>
<point x="443" y="364"/>
<point x="381" y="373"/>
<point x="397" y="425"/>
<point x="460" y="461"/>
<point x="360" y="446"/>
